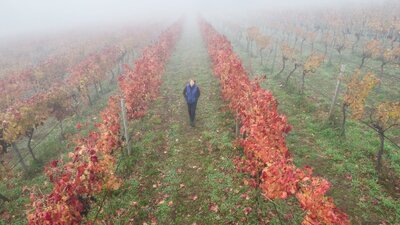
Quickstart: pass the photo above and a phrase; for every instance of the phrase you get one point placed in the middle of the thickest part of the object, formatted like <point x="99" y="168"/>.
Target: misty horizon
<point x="19" y="18"/>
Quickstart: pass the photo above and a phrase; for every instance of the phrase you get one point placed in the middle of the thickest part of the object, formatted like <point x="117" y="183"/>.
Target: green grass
<point x="348" y="163"/>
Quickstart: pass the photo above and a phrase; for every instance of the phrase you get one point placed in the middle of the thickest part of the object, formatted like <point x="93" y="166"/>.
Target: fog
<point x="20" y="18"/>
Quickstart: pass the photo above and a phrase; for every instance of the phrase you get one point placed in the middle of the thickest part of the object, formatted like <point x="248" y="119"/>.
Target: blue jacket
<point x="191" y="94"/>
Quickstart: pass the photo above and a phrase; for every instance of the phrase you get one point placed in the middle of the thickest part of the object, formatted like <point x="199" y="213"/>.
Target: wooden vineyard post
<point x="21" y="159"/>
<point x="125" y="125"/>
<point x="339" y="80"/>
<point x="275" y="53"/>
<point x="237" y="127"/>
<point x="237" y="124"/>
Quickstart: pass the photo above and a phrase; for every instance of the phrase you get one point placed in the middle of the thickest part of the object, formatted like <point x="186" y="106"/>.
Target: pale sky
<point x="22" y="17"/>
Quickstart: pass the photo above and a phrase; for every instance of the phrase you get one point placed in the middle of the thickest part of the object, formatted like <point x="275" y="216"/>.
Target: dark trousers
<point x="192" y="111"/>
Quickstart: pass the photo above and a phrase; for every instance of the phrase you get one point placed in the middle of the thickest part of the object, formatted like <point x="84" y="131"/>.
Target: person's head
<point x="191" y="82"/>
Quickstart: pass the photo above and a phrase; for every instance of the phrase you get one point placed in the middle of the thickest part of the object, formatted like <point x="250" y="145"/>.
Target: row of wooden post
<point x="125" y="126"/>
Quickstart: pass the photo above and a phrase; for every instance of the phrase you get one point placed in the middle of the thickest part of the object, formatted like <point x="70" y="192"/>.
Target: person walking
<point x="191" y="94"/>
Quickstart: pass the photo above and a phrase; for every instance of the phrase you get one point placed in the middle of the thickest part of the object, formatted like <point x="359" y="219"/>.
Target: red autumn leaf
<point x="247" y="210"/>
<point x="213" y="207"/>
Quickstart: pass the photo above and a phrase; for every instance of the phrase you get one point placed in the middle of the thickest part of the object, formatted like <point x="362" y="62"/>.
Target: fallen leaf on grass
<point x="213" y="207"/>
<point x="153" y="219"/>
<point x="288" y="216"/>
<point x="161" y="202"/>
<point x="134" y="204"/>
<point x="247" y="210"/>
<point x="120" y="211"/>
<point x="245" y="196"/>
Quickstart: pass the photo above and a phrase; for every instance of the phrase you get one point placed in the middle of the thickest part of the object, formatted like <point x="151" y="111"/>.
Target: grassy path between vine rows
<point x="183" y="175"/>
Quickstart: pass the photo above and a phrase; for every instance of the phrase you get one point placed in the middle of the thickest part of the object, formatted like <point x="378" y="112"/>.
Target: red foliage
<point x="319" y="208"/>
<point x="90" y="169"/>
<point x="267" y="159"/>
<point x="93" y="69"/>
<point x="138" y="85"/>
